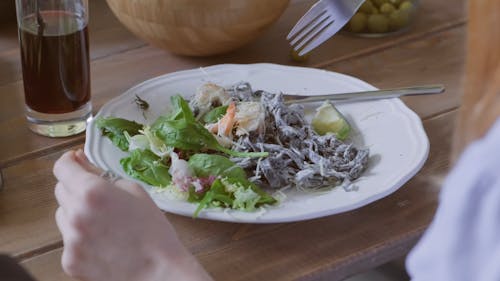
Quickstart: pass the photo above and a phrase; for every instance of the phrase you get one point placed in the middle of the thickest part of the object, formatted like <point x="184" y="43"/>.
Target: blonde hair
<point x="481" y="101"/>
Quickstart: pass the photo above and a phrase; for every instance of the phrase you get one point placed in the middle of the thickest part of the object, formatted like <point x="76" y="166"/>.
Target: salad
<point x="232" y="147"/>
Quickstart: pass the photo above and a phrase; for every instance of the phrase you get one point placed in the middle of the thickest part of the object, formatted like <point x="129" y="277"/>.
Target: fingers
<point x="62" y="223"/>
<point x="64" y="199"/>
<point x="85" y="163"/>
<point x="79" y="178"/>
<point x="74" y="263"/>
<point x="72" y="256"/>
<point x="70" y="172"/>
<point x="80" y="183"/>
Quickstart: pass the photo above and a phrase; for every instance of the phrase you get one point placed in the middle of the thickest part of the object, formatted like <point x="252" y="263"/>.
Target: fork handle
<point x="368" y="95"/>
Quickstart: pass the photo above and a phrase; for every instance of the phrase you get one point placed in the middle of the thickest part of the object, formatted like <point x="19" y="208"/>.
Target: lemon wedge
<point x="329" y="120"/>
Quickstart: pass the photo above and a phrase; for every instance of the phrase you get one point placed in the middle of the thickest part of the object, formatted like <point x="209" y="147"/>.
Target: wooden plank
<point x="213" y="241"/>
<point x="313" y="249"/>
<point x="439" y="59"/>
<point x="113" y="38"/>
<point x="412" y="63"/>
<point x="27" y="206"/>
<point x="434" y="16"/>
<point x="47" y="267"/>
<point x="8" y="37"/>
<point x="108" y="36"/>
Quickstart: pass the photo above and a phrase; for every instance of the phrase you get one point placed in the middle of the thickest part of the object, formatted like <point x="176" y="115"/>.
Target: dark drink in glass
<point x="55" y="62"/>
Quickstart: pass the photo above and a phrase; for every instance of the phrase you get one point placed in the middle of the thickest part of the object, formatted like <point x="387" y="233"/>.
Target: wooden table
<point x="329" y="248"/>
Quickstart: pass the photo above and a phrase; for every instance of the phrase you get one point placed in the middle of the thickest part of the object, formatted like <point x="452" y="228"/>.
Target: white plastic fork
<point x="322" y="21"/>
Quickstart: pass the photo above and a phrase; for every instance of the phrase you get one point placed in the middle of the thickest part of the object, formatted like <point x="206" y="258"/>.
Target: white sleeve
<point x="463" y="240"/>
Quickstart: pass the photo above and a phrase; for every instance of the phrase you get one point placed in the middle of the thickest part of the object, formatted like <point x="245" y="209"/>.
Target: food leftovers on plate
<point x="231" y="147"/>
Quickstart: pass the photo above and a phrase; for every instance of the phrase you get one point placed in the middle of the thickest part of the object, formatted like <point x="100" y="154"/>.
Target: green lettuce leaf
<point x="233" y="184"/>
<point x="205" y="165"/>
<point x="234" y="193"/>
<point x="115" y="128"/>
<point x="181" y="130"/>
<point x="179" y="110"/>
<point x="215" y="114"/>
<point x="146" y="166"/>
<point x="217" y="196"/>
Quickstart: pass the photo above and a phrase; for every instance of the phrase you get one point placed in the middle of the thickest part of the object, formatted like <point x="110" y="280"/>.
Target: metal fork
<point x="322" y="21"/>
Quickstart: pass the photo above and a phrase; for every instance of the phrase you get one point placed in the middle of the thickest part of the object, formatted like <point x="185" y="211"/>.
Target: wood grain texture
<point x="120" y="62"/>
<point x="27" y="206"/>
<point x="439" y="59"/>
<point x="434" y="16"/>
<point x="329" y="248"/>
<point x="481" y="101"/>
<point x="47" y="267"/>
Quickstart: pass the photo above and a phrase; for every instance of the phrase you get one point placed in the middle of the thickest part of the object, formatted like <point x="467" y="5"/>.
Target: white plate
<point x="393" y="133"/>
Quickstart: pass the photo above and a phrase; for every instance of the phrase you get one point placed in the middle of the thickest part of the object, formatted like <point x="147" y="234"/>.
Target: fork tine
<point x="316" y="10"/>
<point x="322" y="36"/>
<point x="310" y="28"/>
<point x="317" y="31"/>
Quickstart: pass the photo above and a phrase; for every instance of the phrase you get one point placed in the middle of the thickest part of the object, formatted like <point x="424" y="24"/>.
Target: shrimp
<point x="224" y="126"/>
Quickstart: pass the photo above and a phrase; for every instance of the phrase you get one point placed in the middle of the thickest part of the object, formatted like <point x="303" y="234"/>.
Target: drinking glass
<point x="54" y="43"/>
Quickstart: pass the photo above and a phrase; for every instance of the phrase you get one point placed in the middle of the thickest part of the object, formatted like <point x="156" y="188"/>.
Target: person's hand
<point x="463" y="241"/>
<point x="114" y="231"/>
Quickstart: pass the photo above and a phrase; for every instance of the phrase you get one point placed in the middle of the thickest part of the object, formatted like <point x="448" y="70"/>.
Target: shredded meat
<point x="298" y="157"/>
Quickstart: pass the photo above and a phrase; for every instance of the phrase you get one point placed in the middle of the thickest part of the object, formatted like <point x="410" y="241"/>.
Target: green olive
<point x="406" y="6"/>
<point x="367" y="7"/>
<point x="358" y="22"/>
<point x="387" y="8"/>
<point x="294" y="55"/>
<point x="379" y="3"/>
<point x="378" y="23"/>
<point x="395" y="2"/>
<point x="398" y="20"/>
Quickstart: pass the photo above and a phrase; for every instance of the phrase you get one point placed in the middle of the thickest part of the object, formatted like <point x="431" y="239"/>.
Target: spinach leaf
<point x="181" y="130"/>
<point x="144" y="165"/>
<point x="115" y="128"/>
<point x="205" y="165"/>
<point x="214" y="115"/>
<point x="180" y="109"/>
<point x="193" y="196"/>
<point x="217" y="195"/>
<point x="204" y="202"/>
<point x="191" y="135"/>
<point x="220" y="193"/>
<point x="183" y="134"/>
